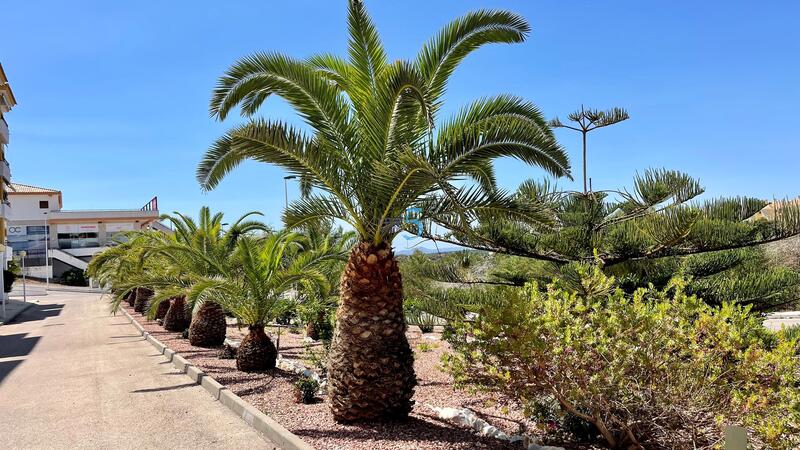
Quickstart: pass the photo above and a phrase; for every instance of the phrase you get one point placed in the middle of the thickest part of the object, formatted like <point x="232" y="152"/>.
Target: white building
<point x="38" y="226"/>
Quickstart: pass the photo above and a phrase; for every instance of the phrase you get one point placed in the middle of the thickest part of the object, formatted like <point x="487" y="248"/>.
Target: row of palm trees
<point x="205" y="269"/>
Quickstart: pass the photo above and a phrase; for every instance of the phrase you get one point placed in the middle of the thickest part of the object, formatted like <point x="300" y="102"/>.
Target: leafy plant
<point x="426" y="346"/>
<point x="659" y="369"/>
<point x="74" y="277"/>
<point x="306" y="390"/>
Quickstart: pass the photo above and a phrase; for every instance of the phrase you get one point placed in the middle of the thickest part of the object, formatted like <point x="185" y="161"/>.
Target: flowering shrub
<point x="656" y="369"/>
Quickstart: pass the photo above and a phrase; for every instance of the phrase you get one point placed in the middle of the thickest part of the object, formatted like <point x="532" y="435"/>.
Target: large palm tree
<point x="262" y="275"/>
<point x="371" y="157"/>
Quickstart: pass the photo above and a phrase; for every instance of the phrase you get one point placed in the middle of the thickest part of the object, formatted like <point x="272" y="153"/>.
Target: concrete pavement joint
<point x="250" y="414"/>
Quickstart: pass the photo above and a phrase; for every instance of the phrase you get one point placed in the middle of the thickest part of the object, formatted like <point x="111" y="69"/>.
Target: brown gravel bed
<point x="272" y="393"/>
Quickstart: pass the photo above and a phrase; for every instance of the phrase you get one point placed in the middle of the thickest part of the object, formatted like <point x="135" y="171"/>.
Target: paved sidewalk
<point x="73" y="376"/>
<point x="12" y="309"/>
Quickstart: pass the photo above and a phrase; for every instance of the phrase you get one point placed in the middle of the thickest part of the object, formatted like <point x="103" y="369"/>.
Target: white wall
<point x="26" y="207"/>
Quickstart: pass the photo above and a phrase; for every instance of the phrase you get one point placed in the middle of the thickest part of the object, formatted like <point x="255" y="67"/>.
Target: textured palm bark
<point x="162" y="309"/>
<point x="311" y="331"/>
<point x="256" y="353"/>
<point x="142" y="302"/>
<point x="370" y="364"/>
<point x="176" y="319"/>
<point x="208" y="326"/>
<point x="130" y="297"/>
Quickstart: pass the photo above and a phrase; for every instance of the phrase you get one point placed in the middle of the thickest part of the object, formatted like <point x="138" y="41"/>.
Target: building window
<point x="77" y="240"/>
<point x="37" y="229"/>
<point x="44" y="204"/>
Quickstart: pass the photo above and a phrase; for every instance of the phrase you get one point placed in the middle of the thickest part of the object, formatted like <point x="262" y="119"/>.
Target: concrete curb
<point x="255" y="418"/>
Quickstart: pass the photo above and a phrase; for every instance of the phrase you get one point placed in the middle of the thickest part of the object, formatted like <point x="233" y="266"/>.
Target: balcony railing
<point x="3" y="131"/>
<point x="5" y="170"/>
<point x="152" y="205"/>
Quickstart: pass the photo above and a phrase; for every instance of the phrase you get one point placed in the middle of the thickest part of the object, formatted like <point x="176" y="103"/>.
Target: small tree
<point x="261" y="276"/>
<point x="645" y="236"/>
<point x="587" y="120"/>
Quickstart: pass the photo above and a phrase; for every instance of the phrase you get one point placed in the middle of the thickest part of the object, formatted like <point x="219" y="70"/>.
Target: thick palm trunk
<point x="162" y="309"/>
<point x="143" y="296"/>
<point x="256" y="353"/>
<point x="176" y="318"/>
<point x="208" y="326"/>
<point x="370" y="365"/>
<point x="130" y="297"/>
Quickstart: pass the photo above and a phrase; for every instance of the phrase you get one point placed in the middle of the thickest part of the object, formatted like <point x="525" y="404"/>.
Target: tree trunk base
<point x="142" y="302"/>
<point x="163" y="307"/>
<point x="176" y="318"/>
<point x="256" y="353"/>
<point x="370" y="364"/>
<point x="208" y="326"/>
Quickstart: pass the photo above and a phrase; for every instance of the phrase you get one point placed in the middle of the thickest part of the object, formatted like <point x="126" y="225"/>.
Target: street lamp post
<point x="22" y="256"/>
<point x="46" y="252"/>
<point x="286" y="187"/>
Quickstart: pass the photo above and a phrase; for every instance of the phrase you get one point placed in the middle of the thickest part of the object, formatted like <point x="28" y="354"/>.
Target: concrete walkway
<point x="73" y="376"/>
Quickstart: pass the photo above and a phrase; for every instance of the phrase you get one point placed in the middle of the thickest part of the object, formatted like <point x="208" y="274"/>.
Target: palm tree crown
<point x="373" y="151"/>
<point x="260" y="275"/>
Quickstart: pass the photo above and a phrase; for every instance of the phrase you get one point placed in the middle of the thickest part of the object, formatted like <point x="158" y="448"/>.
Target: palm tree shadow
<point x="414" y="429"/>
<point x="164" y="388"/>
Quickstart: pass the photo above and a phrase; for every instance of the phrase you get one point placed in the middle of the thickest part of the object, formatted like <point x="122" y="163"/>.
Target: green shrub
<point x="659" y="369"/>
<point x="426" y="347"/>
<point x="306" y="390"/>
<point x="74" y="277"/>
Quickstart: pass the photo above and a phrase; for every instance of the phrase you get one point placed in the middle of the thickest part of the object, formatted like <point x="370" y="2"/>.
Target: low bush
<point x="305" y="390"/>
<point x="658" y="369"/>
<point x="74" y="277"/>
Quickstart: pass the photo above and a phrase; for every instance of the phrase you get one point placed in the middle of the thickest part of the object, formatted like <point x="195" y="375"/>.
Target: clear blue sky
<point x="113" y="96"/>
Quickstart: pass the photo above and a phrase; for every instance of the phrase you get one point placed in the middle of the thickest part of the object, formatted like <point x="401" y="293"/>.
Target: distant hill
<point x="426" y="250"/>
<point x="785" y="252"/>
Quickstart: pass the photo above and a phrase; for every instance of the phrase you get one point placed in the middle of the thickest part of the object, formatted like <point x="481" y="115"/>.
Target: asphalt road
<point x="73" y="376"/>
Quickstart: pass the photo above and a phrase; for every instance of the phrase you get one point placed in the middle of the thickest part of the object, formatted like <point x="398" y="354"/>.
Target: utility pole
<point x="46" y="252"/>
<point x="286" y="188"/>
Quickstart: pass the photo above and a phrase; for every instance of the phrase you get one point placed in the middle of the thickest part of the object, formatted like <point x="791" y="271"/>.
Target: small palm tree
<point x="262" y="277"/>
<point x="373" y="156"/>
<point x="117" y="265"/>
<point x="196" y="250"/>
<point x="315" y="306"/>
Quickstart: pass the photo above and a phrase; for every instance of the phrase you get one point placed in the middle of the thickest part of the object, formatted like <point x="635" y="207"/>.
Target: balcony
<point x="3" y="131"/>
<point x="5" y="171"/>
<point x="5" y="210"/>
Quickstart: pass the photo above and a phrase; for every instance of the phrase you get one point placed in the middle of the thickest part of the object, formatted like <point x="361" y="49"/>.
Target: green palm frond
<point x="439" y="57"/>
<point x="372" y="150"/>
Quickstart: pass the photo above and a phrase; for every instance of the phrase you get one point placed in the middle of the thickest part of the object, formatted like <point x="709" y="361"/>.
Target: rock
<point x="233" y="343"/>
<point x="469" y="419"/>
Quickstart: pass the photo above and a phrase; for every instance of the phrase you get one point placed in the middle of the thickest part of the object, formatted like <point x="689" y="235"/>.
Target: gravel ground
<point x="273" y="394"/>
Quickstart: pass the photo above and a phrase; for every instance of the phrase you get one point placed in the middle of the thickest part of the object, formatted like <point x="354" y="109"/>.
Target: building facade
<point x="7" y="101"/>
<point x="40" y="227"/>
